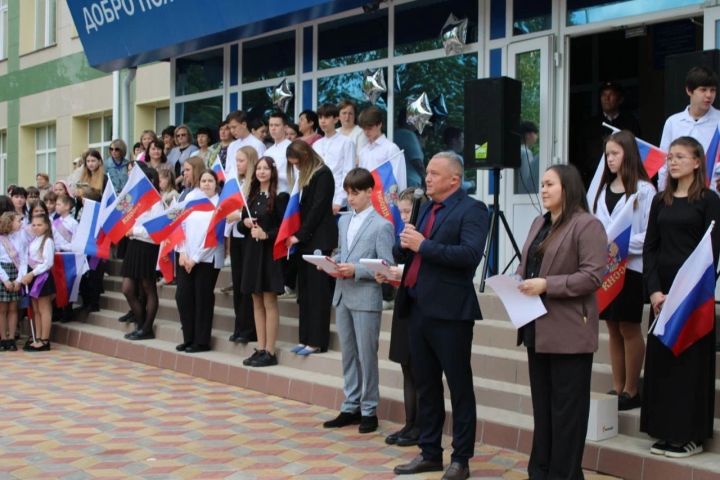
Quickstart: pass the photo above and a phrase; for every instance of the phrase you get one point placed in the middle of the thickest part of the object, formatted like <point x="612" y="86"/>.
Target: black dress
<point x="679" y="392"/>
<point x="260" y="273"/>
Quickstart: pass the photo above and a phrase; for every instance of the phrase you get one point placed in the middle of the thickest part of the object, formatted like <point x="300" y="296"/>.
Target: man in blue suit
<point x="438" y="295"/>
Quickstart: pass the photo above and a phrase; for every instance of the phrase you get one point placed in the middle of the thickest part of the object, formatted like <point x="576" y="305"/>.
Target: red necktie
<point x="414" y="268"/>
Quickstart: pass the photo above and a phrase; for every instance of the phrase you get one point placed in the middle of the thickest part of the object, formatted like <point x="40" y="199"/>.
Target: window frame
<point x="4" y="27"/>
<point x="103" y="146"/>
<point x="48" y="166"/>
<point x="3" y="158"/>
<point x="45" y="24"/>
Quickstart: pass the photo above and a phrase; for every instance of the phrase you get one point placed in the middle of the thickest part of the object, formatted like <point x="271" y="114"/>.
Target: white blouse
<point x="70" y="225"/>
<point x="43" y="257"/>
<point x="17" y="239"/>
<point x="195" y="227"/>
<point x="138" y="231"/>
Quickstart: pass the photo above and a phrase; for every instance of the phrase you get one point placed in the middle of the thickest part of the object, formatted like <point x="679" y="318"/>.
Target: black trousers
<point x="91" y="284"/>
<point x="560" y="388"/>
<point x="242" y="304"/>
<point x="437" y="347"/>
<point x="195" y="298"/>
<point x="315" y="290"/>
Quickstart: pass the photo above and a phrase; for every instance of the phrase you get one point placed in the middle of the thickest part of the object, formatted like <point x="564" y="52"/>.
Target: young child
<point x="65" y="226"/>
<point x="358" y="301"/>
<point x="13" y="261"/>
<point x="167" y="186"/>
<point x="39" y="281"/>
<point x="50" y="199"/>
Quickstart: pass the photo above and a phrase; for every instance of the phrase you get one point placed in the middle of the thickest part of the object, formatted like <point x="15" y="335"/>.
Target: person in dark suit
<point x="318" y="231"/>
<point x="564" y="261"/>
<point x="440" y="299"/>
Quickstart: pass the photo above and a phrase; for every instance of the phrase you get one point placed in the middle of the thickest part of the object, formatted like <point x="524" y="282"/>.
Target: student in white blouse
<point x="348" y="112"/>
<point x="238" y="123"/>
<point x="39" y="281"/>
<point x="379" y="149"/>
<point x="278" y="152"/>
<point x="13" y="265"/>
<point x="197" y="272"/>
<point x="337" y="151"/>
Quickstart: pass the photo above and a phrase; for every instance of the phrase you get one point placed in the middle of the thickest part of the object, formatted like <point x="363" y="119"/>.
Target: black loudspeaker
<point x="492" y="116"/>
<point x="676" y="69"/>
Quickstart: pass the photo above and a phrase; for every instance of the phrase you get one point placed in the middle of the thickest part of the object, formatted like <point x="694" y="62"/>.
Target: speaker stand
<point x="493" y="238"/>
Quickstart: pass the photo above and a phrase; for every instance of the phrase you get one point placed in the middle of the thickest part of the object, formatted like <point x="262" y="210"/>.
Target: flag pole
<point x="607" y="125"/>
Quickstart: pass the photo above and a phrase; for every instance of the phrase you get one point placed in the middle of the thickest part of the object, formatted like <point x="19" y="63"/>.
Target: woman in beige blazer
<point x="563" y="261"/>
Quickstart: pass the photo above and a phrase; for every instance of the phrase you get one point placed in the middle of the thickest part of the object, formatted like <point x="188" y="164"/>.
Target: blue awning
<point x="126" y="33"/>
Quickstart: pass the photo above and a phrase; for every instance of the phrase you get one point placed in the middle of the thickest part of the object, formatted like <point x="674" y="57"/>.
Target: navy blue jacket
<point x="450" y="256"/>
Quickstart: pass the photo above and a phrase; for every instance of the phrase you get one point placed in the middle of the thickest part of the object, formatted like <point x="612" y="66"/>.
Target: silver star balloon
<point x="280" y="95"/>
<point x="373" y="84"/>
<point x="454" y="35"/>
<point x="419" y="112"/>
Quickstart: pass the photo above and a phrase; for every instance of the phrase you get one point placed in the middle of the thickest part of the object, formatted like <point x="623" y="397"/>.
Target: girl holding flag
<point x="679" y="391"/>
<point x="318" y="232"/>
<point x="197" y="272"/>
<point x="138" y="268"/>
<point x="623" y="177"/>
<point x="39" y="281"/>
<point x="261" y="275"/>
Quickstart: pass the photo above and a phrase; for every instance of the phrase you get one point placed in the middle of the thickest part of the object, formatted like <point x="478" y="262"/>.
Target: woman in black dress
<point x="261" y="275"/>
<point x="318" y="232"/>
<point x="679" y="392"/>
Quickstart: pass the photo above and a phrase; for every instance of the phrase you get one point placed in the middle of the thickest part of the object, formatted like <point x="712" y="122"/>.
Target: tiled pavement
<point x="73" y="414"/>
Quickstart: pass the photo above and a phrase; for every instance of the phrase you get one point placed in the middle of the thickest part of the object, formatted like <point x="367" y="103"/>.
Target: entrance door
<point x="711" y="28"/>
<point x="531" y="62"/>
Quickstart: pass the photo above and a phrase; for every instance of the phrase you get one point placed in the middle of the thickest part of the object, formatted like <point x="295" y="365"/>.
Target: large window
<point x="268" y="57"/>
<point x="100" y="134"/>
<point x="531" y="16"/>
<point x="412" y="36"/>
<point x="3" y="158"/>
<point x="45" y="150"/>
<point x="200" y="113"/>
<point x="44" y="23"/>
<point x="581" y="12"/>
<point x="356" y="39"/>
<point x="162" y="118"/>
<point x="200" y="72"/>
<point x="256" y="103"/>
<point x="336" y="88"/>
<point x="3" y="28"/>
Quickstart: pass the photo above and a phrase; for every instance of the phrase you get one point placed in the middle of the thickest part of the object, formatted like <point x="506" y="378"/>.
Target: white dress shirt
<point x="278" y="152"/>
<point x="378" y="152"/>
<point x="338" y="153"/>
<point x="356" y="222"/>
<point x="251" y="141"/>
<point x="138" y="231"/>
<point x="64" y="229"/>
<point x="195" y="227"/>
<point x="19" y="242"/>
<point x="44" y="258"/>
<point x="358" y="138"/>
<point x="683" y="125"/>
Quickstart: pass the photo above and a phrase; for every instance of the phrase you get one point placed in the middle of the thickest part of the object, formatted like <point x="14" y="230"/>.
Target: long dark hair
<point x="158" y="144"/>
<point x="697" y="188"/>
<point x="573" y="198"/>
<point x="631" y="169"/>
<point x="255" y="183"/>
<point x="48" y="235"/>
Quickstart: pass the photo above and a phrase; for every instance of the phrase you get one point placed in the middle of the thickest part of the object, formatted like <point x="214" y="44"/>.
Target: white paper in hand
<point x="522" y="309"/>
<point x="377" y="265"/>
<point x="326" y="264"/>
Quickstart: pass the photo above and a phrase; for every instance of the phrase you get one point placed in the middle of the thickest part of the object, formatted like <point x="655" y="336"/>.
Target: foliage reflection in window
<point x="356" y="39"/>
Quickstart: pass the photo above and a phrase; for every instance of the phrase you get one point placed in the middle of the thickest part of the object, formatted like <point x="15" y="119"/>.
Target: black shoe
<point x="3" y="345"/>
<point x="128" y="317"/>
<point x="393" y="437"/>
<point x="343" y="419"/>
<point x="238" y="338"/>
<point x="10" y="346"/>
<point x="684" y="450"/>
<point x="265" y="359"/>
<point x="418" y="465"/>
<point x="456" y="471"/>
<point x="182" y="346"/>
<point x="626" y="402"/>
<point x="130" y="334"/>
<point x="140" y="335"/>
<point x="659" y="447"/>
<point x="248" y="361"/>
<point x="368" y="424"/>
<point x="94" y="307"/>
<point x="197" y="348"/>
<point x="408" y="438"/>
<point x="612" y="392"/>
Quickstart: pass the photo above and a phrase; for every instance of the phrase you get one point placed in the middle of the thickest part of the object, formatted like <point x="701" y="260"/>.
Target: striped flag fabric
<point x="160" y="227"/>
<point x="290" y="224"/>
<point x="618" y="234"/>
<point x="231" y="199"/>
<point x="385" y="195"/>
<point x="712" y="159"/>
<point x="166" y="255"/>
<point x="688" y="313"/>
<point x="106" y="204"/>
<point x="67" y="270"/>
<point x="218" y="169"/>
<point x="84" y="241"/>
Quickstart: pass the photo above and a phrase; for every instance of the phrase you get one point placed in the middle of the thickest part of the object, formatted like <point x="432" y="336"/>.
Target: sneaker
<point x="626" y="402"/>
<point x="297" y="348"/>
<point x="3" y="345"/>
<point x="227" y="262"/>
<point x="343" y="419"/>
<point x="659" y="447"/>
<point x="265" y="359"/>
<point x="248" y="361"/>
<point x="161" y="282"/>
<point x="685" y="450"/>
<point x="289" y="293"/>
<point x="11" y="346"/>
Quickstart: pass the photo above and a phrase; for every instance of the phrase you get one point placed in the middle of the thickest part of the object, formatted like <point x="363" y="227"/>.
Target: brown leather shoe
<point x="456" y="471"/>
<point x="418" y="465"/>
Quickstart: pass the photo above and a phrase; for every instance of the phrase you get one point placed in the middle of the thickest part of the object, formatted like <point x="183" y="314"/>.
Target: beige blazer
<point x="573" y="266"/>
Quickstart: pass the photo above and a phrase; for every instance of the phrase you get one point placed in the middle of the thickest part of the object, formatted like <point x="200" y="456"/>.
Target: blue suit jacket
<point x="450" y="256"/>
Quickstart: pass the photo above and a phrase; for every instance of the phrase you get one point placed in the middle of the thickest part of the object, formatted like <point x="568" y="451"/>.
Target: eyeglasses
<point x="679" y="158"/>
<point x="113" y="149"/>
<point x="181" y="135"/>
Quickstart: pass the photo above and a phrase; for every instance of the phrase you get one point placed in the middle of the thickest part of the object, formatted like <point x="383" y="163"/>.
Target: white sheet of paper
<point x="327" y="264"/>
<point x="521" y="308"/>
<point x="376" y="265"/>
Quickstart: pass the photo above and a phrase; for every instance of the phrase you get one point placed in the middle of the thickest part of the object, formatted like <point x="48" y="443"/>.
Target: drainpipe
<point x="116" y="104"/>
<point x="126" y="135"/>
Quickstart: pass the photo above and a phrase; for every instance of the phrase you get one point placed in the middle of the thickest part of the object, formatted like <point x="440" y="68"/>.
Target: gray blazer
<point x="574" y="265"/>
<point x="375" y="239"/>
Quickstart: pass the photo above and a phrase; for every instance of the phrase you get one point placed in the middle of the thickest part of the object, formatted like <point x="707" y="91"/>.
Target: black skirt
<point x="140" y="260"/>
<point x="48" y="287"/>
<point x="628" y="306"/>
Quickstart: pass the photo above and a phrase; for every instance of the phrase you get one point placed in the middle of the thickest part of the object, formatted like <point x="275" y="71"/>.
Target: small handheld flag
<point x="618" y="234"/>
<point x="289" y="226"/>
<point x="160" y="227"/>
<point x="231" y="199"/>
<point x="385" y="195"/>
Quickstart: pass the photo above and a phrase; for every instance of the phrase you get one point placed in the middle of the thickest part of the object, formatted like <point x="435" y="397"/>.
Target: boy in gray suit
<point x="358" y="301"/>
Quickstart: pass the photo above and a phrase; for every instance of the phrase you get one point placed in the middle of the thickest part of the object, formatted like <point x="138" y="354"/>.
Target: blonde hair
<point x="6" y="222"/>
<point x="309" y="162"/>
<point x="94" y="180"/>
<point x="252" y="159"/>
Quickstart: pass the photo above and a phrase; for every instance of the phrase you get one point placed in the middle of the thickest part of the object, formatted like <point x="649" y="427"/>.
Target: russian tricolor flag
<point x="218" y="169"/>
<point x="618" y="234"/>
<point x="137" y="197"/>
<point x="231" y="199"/>
<point x="159" y="228"/>
<point x="106" y="205"/>
<point x="651" y="156"/>
<point x="67" y="270"/>
<point x="688" y="313"/>
<point x="84" y="241"/>
<point x="289" y="226"/>
<point x="166" y="255"/>
<point x="385" y="195"/>
<point x="712" y="159"/>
